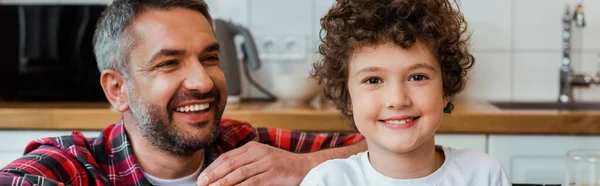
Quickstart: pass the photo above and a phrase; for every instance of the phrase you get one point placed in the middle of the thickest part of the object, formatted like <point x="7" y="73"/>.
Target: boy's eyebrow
<point x="412" y="67"/>
<point x="368" y="69"/>
<point x="421" y="65"/>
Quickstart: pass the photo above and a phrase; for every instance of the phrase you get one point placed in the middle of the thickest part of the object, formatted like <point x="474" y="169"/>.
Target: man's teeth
<point x="193" y="108"/>
<point x="398" y="122"/>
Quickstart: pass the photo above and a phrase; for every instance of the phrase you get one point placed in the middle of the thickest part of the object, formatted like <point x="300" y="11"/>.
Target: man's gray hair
<point x="113" y="40"/>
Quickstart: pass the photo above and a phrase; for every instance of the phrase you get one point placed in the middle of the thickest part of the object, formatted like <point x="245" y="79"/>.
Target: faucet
<point x="568" y="79"/>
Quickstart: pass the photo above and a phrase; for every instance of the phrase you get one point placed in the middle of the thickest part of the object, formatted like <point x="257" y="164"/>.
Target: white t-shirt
<point x="184" y="181"/>
<point x="460" y="168"/>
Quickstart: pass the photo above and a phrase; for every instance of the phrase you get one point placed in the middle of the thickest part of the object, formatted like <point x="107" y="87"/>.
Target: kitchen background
<point x="518" y="49"/>
<point x="517" y="43"/>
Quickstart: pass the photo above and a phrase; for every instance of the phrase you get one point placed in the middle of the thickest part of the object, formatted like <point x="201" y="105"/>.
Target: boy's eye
<point x="372" y="80"/>
<point x="418" y="77"/>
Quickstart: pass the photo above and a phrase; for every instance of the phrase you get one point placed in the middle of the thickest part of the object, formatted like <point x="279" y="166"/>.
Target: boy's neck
<point x="418" y="163"/>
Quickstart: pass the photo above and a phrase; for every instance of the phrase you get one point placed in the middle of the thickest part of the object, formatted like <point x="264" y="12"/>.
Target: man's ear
<point x="115" y="90"/>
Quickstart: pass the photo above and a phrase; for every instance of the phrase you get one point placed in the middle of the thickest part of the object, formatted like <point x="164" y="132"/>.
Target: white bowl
<point x="295" y="89"/>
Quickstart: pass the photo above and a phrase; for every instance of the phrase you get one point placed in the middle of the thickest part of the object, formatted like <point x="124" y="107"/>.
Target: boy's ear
<point x="349" y="107"/>
<point x="446" y="100"/>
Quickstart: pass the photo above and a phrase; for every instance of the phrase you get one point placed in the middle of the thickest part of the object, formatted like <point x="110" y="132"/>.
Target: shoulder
<point x="336" y="171"/>
<point x="350" y="163"/>
<point x="477" y="165"/>
<point x="470" y="157"/>
<point x="475" y="161"/>
<point x="75" y="144"/>
<point x="75" y="139"/>
<point x="61" y="158"/>
<point x="227" y="124"/>
<point x="234" y="133"/>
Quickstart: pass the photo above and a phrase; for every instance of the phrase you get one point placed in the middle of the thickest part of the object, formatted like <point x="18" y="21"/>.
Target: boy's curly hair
<point x="352" y="24"/>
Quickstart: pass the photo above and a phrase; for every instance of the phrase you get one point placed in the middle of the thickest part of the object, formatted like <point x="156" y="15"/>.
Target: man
<point x="160" y="67"/>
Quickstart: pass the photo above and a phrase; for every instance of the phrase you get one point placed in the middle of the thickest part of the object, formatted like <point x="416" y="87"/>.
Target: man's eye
<point x="418" y="77"/>
<point x="372" y="80"/>
<point x="210" y="58"/>
<point x="169" y="63"/>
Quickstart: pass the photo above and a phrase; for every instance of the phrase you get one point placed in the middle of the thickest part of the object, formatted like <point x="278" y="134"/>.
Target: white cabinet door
<point x="463" y="141"/>
<point x="536" y="159"/>
<point x="13" y="142"/>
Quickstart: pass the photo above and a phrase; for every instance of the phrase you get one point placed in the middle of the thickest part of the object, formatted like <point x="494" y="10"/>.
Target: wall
<point x="516" y="43"/>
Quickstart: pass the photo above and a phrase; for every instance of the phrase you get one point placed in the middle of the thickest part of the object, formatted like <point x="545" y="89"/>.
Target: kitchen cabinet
<point x="537" y="159"/>
<point x="463" y="141"/>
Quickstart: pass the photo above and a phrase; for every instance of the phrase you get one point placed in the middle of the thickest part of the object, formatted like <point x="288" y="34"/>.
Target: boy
<point x="392" y="67"/>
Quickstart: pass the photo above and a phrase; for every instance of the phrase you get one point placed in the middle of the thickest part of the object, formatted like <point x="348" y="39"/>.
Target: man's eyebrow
<point x="212" y="48"/>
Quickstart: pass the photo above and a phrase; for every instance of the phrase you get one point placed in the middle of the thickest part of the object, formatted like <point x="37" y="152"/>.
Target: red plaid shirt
<point x="109" y="160"/>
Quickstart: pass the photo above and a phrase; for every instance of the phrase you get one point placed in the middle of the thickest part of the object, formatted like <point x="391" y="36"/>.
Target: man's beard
<point x="157" y="126"/>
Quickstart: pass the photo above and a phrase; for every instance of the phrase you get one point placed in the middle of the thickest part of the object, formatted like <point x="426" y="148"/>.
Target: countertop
<point x="469" y="116"/>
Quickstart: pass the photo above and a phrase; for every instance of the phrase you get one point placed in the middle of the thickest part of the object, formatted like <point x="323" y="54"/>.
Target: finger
<point x="228" y="159"/>
<point x="227" y="167"/>
<point x="243" y="173"/>
<point x="260" y="179"/>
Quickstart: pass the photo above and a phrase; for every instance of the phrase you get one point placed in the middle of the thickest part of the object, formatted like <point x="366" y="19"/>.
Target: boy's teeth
<point x="192" y="108"/>
<point x="398" y="122"/>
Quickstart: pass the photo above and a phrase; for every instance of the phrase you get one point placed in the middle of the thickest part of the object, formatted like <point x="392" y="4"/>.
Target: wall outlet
<point x="295" y="47"/>
<point x="282" y="48"/>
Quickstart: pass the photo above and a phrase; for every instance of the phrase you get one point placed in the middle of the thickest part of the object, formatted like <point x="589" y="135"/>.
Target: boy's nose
<point x="396" y="97"/>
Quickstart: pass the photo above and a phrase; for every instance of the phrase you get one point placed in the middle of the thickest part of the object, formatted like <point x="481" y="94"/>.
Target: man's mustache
<point x="187" y="95"/>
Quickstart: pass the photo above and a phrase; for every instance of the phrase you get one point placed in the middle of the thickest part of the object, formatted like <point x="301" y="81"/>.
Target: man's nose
<point x="197" y="78"/>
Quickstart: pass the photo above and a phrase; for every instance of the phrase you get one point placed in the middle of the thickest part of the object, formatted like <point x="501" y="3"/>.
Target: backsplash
<point x="517" y="43"/>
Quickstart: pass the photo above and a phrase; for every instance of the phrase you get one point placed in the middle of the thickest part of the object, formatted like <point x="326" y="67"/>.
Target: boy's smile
<point x="400" y="122"/>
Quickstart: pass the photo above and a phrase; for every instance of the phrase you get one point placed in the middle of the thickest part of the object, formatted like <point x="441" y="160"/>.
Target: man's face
<point x="177" y="89"/>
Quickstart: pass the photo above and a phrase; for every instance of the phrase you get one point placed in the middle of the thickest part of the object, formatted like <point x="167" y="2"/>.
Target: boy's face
<point x="397" y="96"/>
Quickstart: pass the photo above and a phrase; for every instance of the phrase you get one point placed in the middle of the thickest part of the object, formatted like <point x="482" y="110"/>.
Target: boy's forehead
<point x="392" y="54"/>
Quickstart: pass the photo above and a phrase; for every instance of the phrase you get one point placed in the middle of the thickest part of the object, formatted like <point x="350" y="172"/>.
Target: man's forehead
<point x="161" y="21"/>
<point x="175" y="28"/>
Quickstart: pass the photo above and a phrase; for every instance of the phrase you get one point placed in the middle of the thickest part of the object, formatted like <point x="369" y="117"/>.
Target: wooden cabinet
<point x="534" y="158"/>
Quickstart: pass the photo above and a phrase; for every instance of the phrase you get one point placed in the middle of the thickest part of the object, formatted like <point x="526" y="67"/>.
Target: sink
<point x="577" y="106"/>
